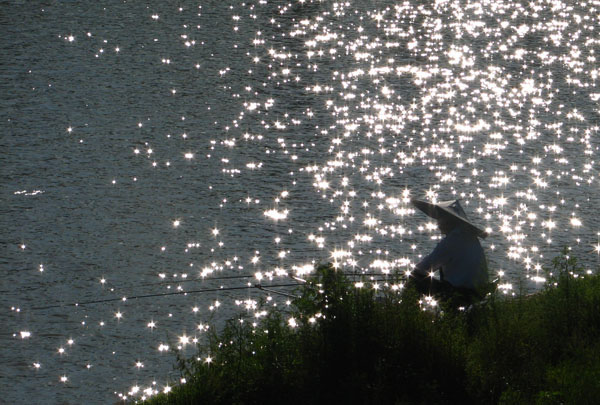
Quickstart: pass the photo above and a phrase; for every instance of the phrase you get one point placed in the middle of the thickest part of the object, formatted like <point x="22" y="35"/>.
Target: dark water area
<point x="148" y="144"/>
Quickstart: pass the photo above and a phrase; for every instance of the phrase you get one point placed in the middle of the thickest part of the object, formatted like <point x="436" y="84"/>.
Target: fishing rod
<point x="135" y="297"/>
<point x="186" y="280"/>
<point x="275" y="291"/>
<point x="205" y="290"/>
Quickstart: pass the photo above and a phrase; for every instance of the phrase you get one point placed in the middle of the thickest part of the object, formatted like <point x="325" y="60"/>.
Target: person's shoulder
<point x="458" y="231"/>
<point x="462" y="234"/>
<point x="451" y="239"/>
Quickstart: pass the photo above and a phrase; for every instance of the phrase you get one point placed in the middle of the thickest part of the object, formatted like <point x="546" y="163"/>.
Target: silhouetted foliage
<point x="360" y="346"/>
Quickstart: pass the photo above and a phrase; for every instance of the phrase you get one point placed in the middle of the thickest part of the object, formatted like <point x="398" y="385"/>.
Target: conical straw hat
<point x="451" y="208"/>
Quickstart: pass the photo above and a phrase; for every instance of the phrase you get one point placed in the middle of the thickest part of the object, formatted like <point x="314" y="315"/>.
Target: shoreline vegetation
<point x="342" y="344"/>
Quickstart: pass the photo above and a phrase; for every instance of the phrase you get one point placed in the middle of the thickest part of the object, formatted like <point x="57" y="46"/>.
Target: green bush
<point x="356" y="345"/>
<point x="543" y="347"/>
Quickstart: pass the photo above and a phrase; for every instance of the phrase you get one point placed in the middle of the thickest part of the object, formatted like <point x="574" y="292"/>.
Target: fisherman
<point x="459" y="256"/>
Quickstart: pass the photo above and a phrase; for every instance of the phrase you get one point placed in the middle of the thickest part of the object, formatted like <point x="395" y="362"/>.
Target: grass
<point x="354" y="345"/>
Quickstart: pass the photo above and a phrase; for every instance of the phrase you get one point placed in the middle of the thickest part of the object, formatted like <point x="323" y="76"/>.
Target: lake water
<point x="146" y="145"/>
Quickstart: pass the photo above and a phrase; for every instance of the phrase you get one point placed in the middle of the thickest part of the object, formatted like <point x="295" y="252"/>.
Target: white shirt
<point x="460" y="259"/>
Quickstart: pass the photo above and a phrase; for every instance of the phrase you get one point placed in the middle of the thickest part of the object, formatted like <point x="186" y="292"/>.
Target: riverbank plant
<point x="344" y="342"/>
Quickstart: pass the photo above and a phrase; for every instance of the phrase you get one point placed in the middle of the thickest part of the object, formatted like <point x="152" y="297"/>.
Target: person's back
<point x="459" y="256"/>
<point x="460" y="259"/>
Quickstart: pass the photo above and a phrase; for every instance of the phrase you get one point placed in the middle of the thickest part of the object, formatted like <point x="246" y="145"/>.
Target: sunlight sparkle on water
<point x="330" y="121"/>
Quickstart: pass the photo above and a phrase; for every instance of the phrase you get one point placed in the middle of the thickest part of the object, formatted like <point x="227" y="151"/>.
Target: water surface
<point x="147" y="144"/>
